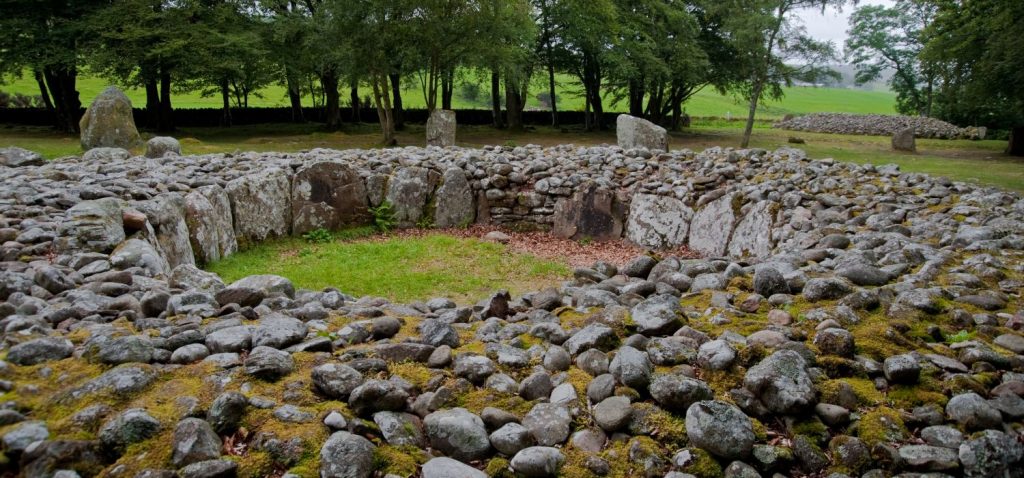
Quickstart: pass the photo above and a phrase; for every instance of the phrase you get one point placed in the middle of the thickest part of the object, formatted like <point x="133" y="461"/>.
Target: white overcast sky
<point x="832" y="24"/>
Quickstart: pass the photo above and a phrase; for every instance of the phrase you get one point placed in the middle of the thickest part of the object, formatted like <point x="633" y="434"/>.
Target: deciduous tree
<point x="774" y="49"/>
<point x="45" y="38"/>
<point x="891" y="38"/>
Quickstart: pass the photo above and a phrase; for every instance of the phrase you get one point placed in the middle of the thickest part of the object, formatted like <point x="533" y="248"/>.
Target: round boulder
<point x="720" y="428"/>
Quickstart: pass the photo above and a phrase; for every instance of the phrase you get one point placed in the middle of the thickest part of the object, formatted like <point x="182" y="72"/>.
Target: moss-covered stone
<point x="863" y="389"/>
<point x="398" y="460"/>
<point x="881" y="425"/>
<point x="498" y="468"/>
<point x="703" y="465"/>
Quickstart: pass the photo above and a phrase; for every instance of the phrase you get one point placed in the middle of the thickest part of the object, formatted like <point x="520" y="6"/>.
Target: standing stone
<point x="328" y="195"/>
<point x="753" y="235"/>
<point x="210" y="225"/>
<point x="633" y="132"/>
<point x="166" y="213"/>
<point x="441" y="128"/>
<point x="108" y="122"/>
<point x="455" y="205"/>
<point x="711" y="227"/>
<point x="592" y="213"/>
<point x="96" y="226"/>
<point x="904" y="140"/>
<point x="658" y="222"/>
<point x="159" y="146"/>
<point x="260" y="205"/>
<point x="408" y="192"/>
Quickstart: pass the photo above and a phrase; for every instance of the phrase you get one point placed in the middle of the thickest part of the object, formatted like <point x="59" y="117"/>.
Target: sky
<point x="832" y="25"/>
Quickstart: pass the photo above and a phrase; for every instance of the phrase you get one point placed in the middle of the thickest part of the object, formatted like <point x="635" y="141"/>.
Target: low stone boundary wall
<point x="160" y="213"/>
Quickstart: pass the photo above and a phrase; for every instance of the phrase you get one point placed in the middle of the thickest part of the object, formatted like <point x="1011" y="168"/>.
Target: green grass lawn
<point x="400" y="269"/>
<point x="707" y="102"/>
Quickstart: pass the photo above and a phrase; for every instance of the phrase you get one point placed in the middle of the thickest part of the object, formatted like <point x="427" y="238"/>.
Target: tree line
<point x="958" y="60"/>
<point x="651" y="54"/>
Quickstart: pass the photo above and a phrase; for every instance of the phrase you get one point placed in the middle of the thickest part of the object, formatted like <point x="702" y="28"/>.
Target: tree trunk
<point x="587" y="126"/>
<point x="551" y="90"/>
<point x="654" y="111"/>
<point x="45" y="95"/>
<point x="152" y="104"/>
<point x="225" y="119"/>
<point x="496" y="99"/>
<point x="598" y="106"/>
<point x="447" y="89"/>
<point x="66" y="105"/>
<point x="677" y="115"/>
<point x="385" y="109"/>
<point x="354" y="99"/>
<point x="592" y="89"/>
<point x="513" y="105"/>
<point x="397" y="112"/>
<point x="636" y="98"/>
<point x="166" y="111"/>
<point x="332" y="100"/>
<point x="295" y="98"/>
<point x="755" y="96"/>
<point x="1016" y="145"/>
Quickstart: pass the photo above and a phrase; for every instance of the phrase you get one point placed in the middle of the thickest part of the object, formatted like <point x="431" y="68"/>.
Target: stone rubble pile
<point x="879" y="125"/>
<point x="845" y="320"/>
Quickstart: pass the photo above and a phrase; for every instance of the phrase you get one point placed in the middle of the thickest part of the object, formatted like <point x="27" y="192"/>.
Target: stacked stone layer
<point x="845" y="320"/>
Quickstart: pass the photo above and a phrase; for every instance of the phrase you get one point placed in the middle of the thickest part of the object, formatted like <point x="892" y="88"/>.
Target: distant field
<point x="707" y="102"/>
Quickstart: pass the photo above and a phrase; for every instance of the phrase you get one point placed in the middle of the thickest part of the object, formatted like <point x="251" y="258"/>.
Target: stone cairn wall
<point x="845" y="319"/>
<point x="879" y="125"/>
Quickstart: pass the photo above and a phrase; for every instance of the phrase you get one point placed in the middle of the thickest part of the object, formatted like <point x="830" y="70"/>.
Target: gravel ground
<point x="546" y="246"/>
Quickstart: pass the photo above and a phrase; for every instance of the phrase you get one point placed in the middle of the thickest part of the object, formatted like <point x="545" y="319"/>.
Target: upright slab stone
<point x="633" y="132"/>
<point x="261" y="206"/>
<point x="96" y="226"/>
<point x="408" y="192"/>
<point x="753" y="234"/>
<point x="711" y="227"/>
<point x="593" y="213"/>
<point x="904" y="140"/>
<point x="108" y="122"/>
<point x="454" y="200"/>
<point x="328" y="195"/>
<point x="210" y="225"/>
<point x="658" y="222"/>
<point x="166" y="213"/>
<point x="441" y="128"/>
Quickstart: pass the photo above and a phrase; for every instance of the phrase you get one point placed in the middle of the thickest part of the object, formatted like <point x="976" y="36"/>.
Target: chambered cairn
<point x="844" y="320"/>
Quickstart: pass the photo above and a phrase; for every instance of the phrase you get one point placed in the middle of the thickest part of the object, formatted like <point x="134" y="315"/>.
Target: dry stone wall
<point x="196" y="209"/>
